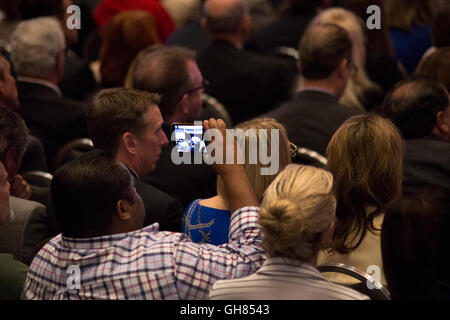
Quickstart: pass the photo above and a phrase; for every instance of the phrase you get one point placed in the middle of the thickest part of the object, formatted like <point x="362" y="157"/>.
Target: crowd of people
<point x="362" y="124"/>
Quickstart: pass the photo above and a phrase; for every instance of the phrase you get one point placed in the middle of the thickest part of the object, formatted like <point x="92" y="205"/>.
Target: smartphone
<point x="188" y="137"/>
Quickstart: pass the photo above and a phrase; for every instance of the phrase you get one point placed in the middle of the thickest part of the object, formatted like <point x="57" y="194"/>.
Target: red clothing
<point x="108" y="8"/>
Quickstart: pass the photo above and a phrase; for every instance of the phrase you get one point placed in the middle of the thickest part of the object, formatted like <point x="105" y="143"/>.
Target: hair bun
<point x="282" y="217"/>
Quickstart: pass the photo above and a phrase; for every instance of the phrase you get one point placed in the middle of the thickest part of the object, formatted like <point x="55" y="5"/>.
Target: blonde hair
<point x="354" y="26"/>
<point x="297" y="208"/>
<point x="253" y="171"/>
<point x="365" y="156"/>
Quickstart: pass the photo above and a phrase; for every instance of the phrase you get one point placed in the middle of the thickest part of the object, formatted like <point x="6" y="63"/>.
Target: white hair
<point x="35" y="45"/>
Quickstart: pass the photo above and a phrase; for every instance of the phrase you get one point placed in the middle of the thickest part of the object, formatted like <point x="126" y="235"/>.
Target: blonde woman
<point x="365" y="156"/>
<point x="361" y="92"/>
<point x="297" y="220"/>
<point x="208" y="220"/>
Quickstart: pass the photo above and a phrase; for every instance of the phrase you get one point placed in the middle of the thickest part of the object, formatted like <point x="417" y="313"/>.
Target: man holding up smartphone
<point x="101" y="219"/>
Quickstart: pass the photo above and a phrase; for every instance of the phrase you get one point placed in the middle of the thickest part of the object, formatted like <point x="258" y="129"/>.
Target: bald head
<point x="224" y="16"/>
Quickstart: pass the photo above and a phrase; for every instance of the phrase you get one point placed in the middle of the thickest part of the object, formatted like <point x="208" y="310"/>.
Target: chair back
<point x="212" y="108"/>
<point x="39" y="182"/>
<point x="307" y="157"/>
<point x="367" y="284"/>
<point x="73" y="150"/>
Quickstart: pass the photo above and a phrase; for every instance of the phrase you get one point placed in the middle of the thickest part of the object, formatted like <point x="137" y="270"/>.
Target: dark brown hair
<point x="116" y="111"/>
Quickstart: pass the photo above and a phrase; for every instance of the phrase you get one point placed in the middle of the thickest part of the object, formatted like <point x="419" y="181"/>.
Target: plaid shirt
<point x="144" y="264"/>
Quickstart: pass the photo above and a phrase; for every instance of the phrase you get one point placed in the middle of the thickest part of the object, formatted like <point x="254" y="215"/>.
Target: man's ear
<point x="129" y="142"/>
<point x="442" y="123"/>
<point x="203" y="23"/>
<point x="343" y="70"/>
<point x="123" y="211"/>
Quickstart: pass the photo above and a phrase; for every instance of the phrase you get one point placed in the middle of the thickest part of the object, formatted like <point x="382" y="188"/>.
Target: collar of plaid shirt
<point x="144" y="264"/>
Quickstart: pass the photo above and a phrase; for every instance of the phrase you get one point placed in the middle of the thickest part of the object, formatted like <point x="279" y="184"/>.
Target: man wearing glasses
<point x="173" y="73"/>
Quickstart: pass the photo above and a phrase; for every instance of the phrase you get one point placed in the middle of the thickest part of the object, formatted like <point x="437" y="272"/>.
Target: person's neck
<point x="233" y="39"/>
<point x="323" y="85"/>
<point x="130" y="163"/>
<point x="438" y="135"/>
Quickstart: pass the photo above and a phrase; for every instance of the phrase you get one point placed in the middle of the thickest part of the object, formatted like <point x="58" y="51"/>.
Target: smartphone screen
<point x="188" y="137"/>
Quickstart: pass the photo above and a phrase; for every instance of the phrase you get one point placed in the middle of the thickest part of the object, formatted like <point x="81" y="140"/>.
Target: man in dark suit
<point x="173" y="73"/>
<point x="246" y="83"/>
<point x="128" y="124"/>
<point x="39" y="63"/>
<point x="420" y="108"/>
<point x="314" y="114"/>
<point x="287" y="30"/>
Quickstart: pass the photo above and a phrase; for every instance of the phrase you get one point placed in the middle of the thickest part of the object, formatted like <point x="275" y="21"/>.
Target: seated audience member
<point x="101" y="217"/>
<point x="436" y="66"/>
<point x="127" y="124"/>
<point x="13" y="140"/>
<point x="38" y="57"/>
<point x="33" y="157"/>
<point x="193" y="35"/>
<point x="414" y="240"/>
<point x="365" y="157"/>
<point x="12" y="272"/>
<point x="409" y="25"/>
<point x="297" y="220"/>
<point x="287" y="30"/>
<point x="109" y="8"/>
<point x="420" y="109"/>
<point x="124" y="36"/>
<point x="173" y="73"/>
<point x="246" y="83"/>
<point x="28" y="223"/>
<point x="314" y="114"/>
<point x="360" y="92"/>
<point x="207" y="220"/>
<point x="75" y="70"/>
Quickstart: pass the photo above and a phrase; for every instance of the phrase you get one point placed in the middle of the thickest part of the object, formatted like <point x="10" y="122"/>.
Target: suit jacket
<point x="246" y="83"/>
<point x="51" y="118"/>
<point x="28" y="228"/>
<point x="426" y="162"/>
<point x="159" y="206"/>
<point x="311" y="118"/>
<point x="184" y="182"/>
<point x="286" y="31"/>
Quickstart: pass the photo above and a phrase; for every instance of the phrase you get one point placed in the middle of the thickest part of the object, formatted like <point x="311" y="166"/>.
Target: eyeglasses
<point x="292" y="149"/>
<point x="203" y="86"/>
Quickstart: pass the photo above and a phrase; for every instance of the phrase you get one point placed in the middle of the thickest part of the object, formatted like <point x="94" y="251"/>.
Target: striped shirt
<point x="144" y="264"/>
<point x="283" y="279"/>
